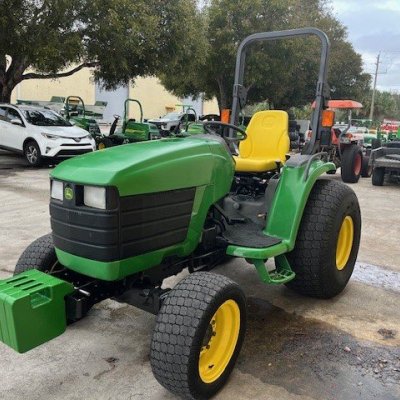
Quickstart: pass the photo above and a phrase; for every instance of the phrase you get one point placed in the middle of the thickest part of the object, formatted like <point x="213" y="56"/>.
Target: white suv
<point x="38" y="133"/>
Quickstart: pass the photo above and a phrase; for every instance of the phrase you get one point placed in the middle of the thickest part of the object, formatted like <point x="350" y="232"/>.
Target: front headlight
<point x="86" y="137"/>
<point x="94" y="197"/>
<point x="57" y="188"/>
<point x="51" y="137"/>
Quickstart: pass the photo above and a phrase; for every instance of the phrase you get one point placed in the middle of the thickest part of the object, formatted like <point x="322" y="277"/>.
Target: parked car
<point x="40" y="134"/>
<point x="171" y="121"/>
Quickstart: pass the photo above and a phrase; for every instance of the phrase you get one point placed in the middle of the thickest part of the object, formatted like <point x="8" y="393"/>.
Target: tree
<point x="387" y="105"/>
<point x="119" y="39"/>
<point x="282" y="73"/>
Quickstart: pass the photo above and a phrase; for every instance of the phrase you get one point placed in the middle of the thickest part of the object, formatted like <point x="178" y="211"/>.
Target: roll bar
<point x="126" y="111"/>
<point x="67" y="109"/>
<point x="322" y="92"/>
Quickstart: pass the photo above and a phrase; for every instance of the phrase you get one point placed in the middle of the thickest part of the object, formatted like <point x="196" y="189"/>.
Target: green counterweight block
<point x="32" y="309"/>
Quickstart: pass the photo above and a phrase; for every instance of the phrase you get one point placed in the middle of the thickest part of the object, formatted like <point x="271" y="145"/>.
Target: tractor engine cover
<point x="150" y="201"/>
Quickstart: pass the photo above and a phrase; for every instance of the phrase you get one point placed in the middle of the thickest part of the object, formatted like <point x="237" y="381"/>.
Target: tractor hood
<point x="151" y="166"/>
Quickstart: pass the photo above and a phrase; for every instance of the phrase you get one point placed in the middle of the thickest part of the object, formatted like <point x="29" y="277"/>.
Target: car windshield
<point x="171" y="116"/>
<point x="45" y="118"/>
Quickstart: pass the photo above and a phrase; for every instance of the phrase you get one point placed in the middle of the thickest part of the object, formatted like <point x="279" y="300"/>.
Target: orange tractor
<point x="344" y="146"/>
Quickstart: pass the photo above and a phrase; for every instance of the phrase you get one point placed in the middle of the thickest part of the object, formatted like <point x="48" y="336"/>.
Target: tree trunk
<point x="5" y="93"/>
<point x="222" y="97"/>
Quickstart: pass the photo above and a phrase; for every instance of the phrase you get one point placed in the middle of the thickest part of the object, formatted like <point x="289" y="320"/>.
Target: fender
<point x="295" y="184"/>
<point x="297" y="180"/>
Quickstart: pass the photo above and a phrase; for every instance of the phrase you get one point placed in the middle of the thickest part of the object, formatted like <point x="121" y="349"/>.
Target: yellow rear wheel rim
<point x="102" y="146"/>
<point x="345" y="243"/>
<point x="219" y="342"/>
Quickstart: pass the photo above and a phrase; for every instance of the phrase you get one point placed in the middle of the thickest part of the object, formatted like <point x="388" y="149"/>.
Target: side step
<point x="32" y="309"/>
<point x="280" y="275"/>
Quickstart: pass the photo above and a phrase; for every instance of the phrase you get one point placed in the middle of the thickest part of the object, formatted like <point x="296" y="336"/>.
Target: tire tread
<point x="40" y="254"/>
<point x="182" y="313"/>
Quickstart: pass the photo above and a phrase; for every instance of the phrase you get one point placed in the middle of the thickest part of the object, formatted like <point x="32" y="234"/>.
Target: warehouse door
<point x="115" y="101"/>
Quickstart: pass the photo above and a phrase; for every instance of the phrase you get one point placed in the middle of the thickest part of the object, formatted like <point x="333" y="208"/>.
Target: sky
<point x="373" y="28"/>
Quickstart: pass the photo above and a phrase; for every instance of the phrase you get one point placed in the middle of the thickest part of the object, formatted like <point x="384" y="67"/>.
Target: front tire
<point x="40" y="255"/>
<point x="32" y="154"/>
<point x="378" y="176"/>
<point x="351" y="164"/>
<point x="327" y="241"/>
<point x="198" y="335"/>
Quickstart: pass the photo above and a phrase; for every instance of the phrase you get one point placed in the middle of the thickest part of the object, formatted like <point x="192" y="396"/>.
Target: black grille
<point x="138" y="225"/>
<point x="76" y="144"/>
<point x="153" y="221"/>
<point x="73" y="152"/>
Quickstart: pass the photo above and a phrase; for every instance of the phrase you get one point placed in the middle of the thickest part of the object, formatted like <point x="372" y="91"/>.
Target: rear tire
<point x="40" y="255"/>
<point x="321" y="269"/>
<point x="32" y="154"/>
<point x="378" y="176"/>
<point x="366" y="169"/>
<point x="195" y="345"/>
<point x="351" y="164"/>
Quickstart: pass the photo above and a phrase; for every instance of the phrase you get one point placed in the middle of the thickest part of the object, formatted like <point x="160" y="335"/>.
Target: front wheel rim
<point x="344" y="243"/>
<point x="31" y="154"/>
<point x="219" y="342"/>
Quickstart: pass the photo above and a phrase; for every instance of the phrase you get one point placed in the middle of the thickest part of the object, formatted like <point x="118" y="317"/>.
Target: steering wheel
<point x="210" y="117"/>
<point x="228" y="139"/>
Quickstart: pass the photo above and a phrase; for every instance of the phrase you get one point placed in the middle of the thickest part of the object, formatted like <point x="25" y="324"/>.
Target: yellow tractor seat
<point x="267" y="142"/>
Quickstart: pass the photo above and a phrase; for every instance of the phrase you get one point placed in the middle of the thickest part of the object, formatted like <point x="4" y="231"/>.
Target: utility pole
<point x="371" y="113"/>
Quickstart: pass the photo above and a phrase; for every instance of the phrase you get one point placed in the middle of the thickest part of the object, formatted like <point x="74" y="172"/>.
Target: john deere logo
<point x="68" y="193"/>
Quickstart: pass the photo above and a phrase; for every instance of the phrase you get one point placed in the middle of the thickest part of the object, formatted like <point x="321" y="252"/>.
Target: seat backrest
<point x="267" y="136"/>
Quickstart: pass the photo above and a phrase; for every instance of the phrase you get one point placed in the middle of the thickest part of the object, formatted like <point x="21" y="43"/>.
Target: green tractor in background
<point x="125" y="219"/>
<point x="75" y="112"/>
<point x="132" y="131"/>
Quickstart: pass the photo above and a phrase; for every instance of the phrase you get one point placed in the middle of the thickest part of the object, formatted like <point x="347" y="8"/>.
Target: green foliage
<point x="251" y="109"/>
<point x="283" y="72"/>
<point x="121" y="39"/>
<point x="387" y="105"/>
<point x="304" y="112"/>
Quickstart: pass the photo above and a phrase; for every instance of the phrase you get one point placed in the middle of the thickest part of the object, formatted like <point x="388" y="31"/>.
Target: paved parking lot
<point x="295" y="349"/>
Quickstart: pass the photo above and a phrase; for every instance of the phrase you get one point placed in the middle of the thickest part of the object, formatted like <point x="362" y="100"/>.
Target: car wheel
<point x="32" y="154"/>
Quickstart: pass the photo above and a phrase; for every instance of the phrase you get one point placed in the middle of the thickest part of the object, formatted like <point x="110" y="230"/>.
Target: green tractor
<point x="75" y="112"/>
<point x="132" y="131"/>
<point x="126" y="218"/>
